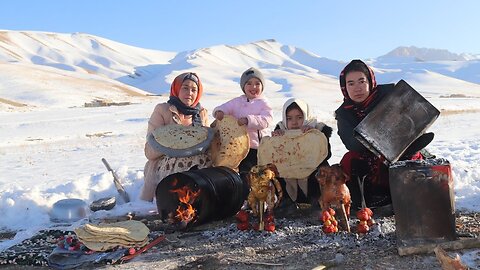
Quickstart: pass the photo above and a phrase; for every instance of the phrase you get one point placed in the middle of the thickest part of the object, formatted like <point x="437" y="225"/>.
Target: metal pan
<point x="68" y="210"/>
<point x="187" y="152"/>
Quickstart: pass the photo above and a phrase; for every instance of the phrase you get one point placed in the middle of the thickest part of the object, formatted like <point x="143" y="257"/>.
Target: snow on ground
<point x="52" y="148"/>
<point x="51" y="155"/>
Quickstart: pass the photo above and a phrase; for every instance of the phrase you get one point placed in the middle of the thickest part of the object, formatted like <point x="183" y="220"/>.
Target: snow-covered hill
<point x="41" y="63"/>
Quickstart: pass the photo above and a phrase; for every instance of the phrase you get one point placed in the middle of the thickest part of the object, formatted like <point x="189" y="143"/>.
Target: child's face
<point x="294" y="119"/>
<point x="253" y="88"/>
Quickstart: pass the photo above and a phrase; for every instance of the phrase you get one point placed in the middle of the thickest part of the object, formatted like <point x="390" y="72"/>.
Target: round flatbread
<point x="181" y="141"/>
<point x="230" y="144"/>
<point x="180" y="137"/>
<point x="130" y="229"/>
<point x="295" y="154"/>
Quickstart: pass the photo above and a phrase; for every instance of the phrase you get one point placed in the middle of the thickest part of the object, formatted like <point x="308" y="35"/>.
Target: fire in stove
<point x="194" y="197"/>
<point x="185" y="212"/>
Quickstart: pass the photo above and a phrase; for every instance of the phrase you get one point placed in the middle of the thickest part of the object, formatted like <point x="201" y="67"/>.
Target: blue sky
<point x="340" y="30"/>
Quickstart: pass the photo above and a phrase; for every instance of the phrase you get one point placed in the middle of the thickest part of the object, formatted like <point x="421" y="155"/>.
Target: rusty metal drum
<point x="423" y="201"/>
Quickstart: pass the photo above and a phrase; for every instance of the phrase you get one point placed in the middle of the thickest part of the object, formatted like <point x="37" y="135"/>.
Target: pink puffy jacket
<point x="257" y="111"/>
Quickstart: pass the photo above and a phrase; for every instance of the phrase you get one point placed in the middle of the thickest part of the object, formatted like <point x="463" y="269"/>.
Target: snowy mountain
<point x="41" y="63"/>
<point x="425" y="55"/>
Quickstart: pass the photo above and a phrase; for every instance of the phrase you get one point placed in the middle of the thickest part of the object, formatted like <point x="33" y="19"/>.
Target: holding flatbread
<point x="177" y="137"/>
<point x="299" y="145"/>
<point x="230" y="144"/>
<point x="181" y="141"/>
<point x="296" y="154"/>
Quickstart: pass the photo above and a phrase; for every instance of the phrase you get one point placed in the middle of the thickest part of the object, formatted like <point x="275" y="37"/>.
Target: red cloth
<point x="378" y="171"/>
<point x="346" y="162"/>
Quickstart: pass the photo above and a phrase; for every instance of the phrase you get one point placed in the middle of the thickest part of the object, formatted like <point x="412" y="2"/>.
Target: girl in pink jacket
<point x="250" y="109"/>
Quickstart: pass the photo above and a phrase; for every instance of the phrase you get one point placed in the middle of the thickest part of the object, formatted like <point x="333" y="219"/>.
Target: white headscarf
<point x="303" y="106"/>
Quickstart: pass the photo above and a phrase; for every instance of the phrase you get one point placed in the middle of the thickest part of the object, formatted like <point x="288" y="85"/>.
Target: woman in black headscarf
<point x="361" y="94"/>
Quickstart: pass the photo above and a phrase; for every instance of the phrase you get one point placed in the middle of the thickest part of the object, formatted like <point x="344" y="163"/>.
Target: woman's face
<point x="358" y="88"/>
<point x="294" y="119"/>
<point x="253" y="88"/>
<point x="188" y="92"/>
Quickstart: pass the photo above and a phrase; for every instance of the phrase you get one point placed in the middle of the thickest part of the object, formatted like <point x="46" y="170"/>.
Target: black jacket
<point x="347" y="120"/>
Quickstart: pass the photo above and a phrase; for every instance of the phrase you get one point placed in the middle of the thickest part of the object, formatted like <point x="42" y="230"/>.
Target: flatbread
<point x="295" y="154"/>
<point x="104" y="246"/>
<point x="87" y="236"/>
<point x="181" y="141"/>
<point x="230" y="144"/>
<point x="180" y="137"/>
<point x="130" y="229"/>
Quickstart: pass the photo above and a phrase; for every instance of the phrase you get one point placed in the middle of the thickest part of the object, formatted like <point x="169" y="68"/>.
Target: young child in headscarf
<point x="252" y="110"/>
<point x="296" y="115"/>
<point x="183" y="108"/>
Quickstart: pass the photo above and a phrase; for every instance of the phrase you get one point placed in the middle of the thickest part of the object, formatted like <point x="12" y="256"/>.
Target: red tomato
<point x="329" y="229"/>
<point x="243" y="226"/>
<point x="331" y="211"/>
<point x="363" y="215"/>
<point x="270" y="227"/>
<point x="334" y="222"/>
<point x="369" y="211"/>
<point x="242" y="216"/>
<point x="362" y="228"/>
<point x="325" y="216"/>
<point x="269" y="219"/>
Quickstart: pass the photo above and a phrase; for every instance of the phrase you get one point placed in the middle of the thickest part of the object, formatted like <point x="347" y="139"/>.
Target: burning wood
<point x="185" y="212"/>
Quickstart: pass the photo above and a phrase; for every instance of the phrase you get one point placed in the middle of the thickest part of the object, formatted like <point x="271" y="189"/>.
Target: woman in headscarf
<point x="183" y="108"/>
<point x="361" y="95"/>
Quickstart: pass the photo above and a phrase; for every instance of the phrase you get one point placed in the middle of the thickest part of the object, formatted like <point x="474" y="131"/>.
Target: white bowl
<point x="68" y="210"/>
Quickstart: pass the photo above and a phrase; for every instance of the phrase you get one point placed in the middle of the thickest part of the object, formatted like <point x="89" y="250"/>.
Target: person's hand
<point x="242" y="121"/>
<point x="219" y="115"/>
<point x="305" y="128"/>
<point x="278" y="132"/>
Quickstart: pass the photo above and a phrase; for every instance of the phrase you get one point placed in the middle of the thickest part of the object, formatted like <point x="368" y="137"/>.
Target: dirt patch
<point x="297" y="243"/>
<point x="5" y="38"/>
<point x="452" y="112"/>
<point x="12" y="103"/>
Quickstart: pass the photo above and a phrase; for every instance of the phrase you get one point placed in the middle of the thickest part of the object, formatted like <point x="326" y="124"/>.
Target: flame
<point x="185" y="211"/>
<point x="174" y="182"/>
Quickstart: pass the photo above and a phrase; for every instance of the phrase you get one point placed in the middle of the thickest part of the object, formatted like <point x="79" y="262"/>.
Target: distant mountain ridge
<point x="427" y="54"/>
<point x="289" y="70"/>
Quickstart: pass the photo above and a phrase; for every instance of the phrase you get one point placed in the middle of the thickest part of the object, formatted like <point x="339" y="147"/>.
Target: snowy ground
<point x="56" y="154"/>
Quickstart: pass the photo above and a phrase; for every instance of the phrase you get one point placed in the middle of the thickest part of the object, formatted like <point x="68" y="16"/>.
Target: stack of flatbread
<point x="102" y="237"/>
<point x="230" y="144"/>
<point x="295" y="154"/>
<point x="181" y="141"/>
